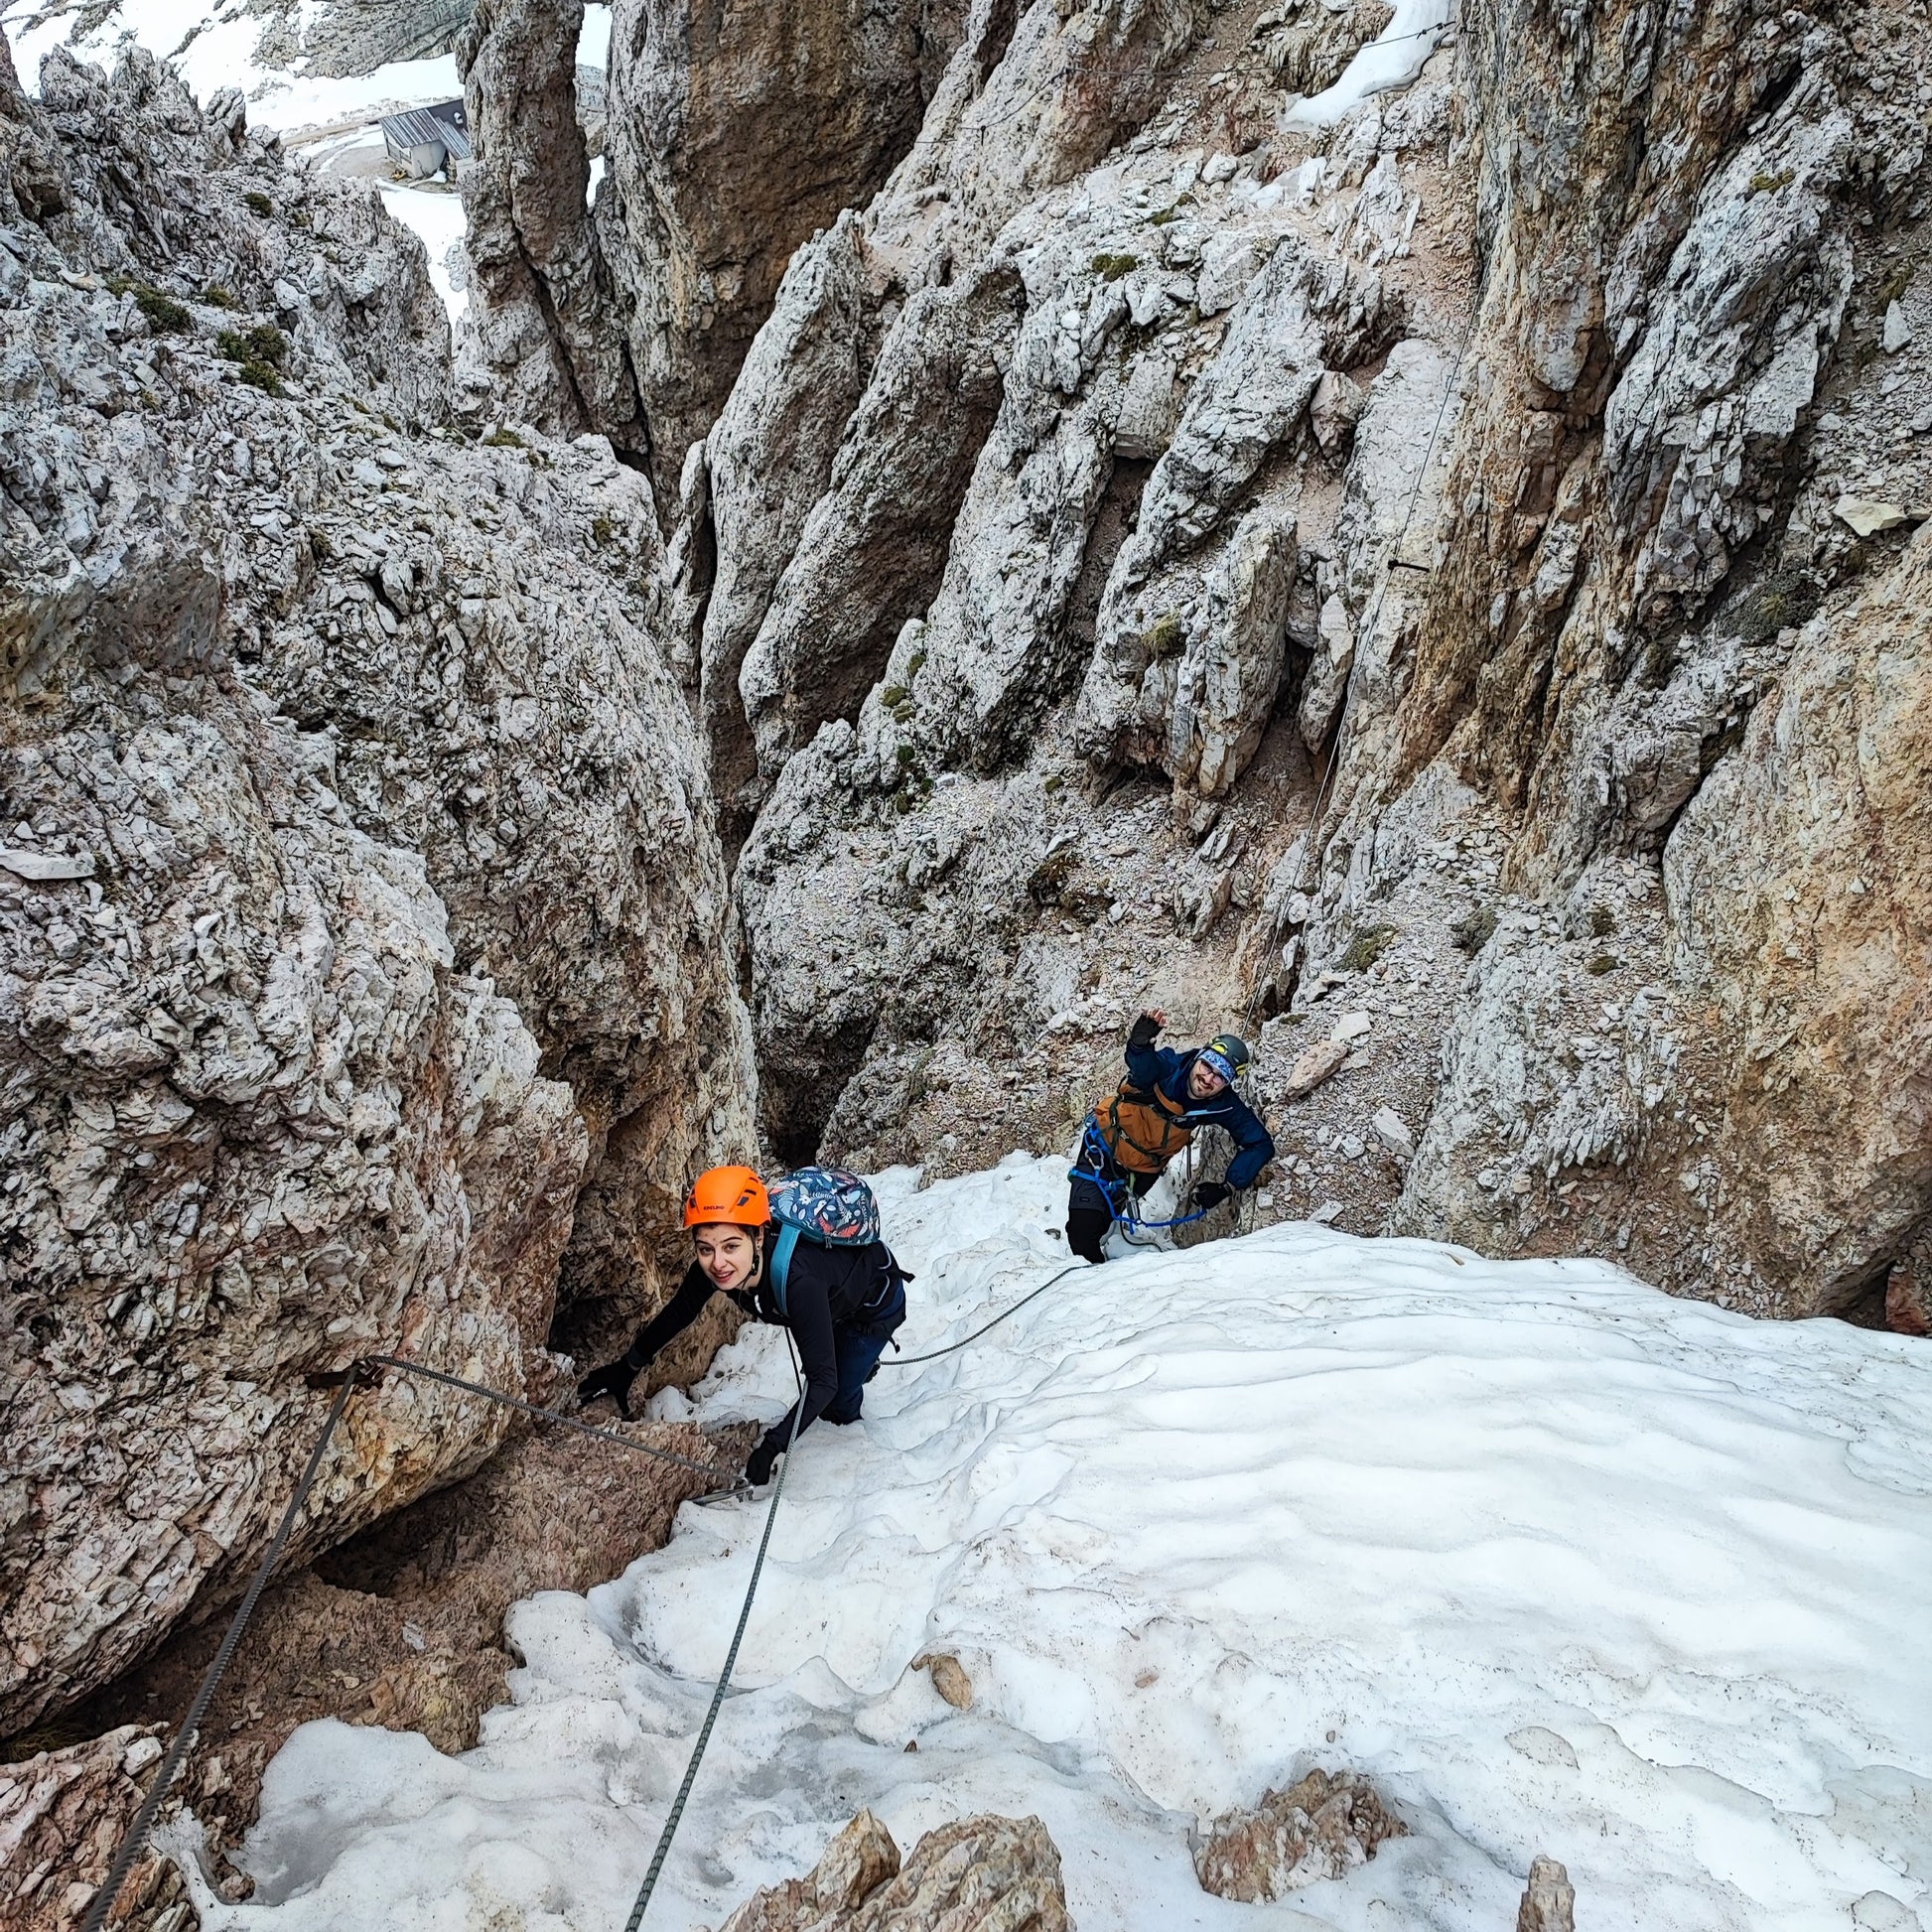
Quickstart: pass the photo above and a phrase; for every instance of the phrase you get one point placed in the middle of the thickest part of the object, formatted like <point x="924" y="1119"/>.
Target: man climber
<point x="817" y="1266"/>
<point x="1130" y="1139"/>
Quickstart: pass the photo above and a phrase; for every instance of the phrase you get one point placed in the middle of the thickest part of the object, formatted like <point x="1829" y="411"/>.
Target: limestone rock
<point x="356" y="37"/>
<point x="1325" y="685"/>
<point x="548" y="335"/>
<point x="1548" y="1899"/>
<point x="981" y="1874"/>
<point x="411" y="1623"/>
<point x="860" y="1860"/>
<point x="1762" y="1151"/>
<point x="733" y="134"/>
<point x="872" y="551"/>
<point x="1817" y="950"/>
<point x="1314" y="1065"/>
<point x="261" y="1124"/>
<point x="274" y="1101"/>
<point x="1322" y="1826"/>
<point x="1645" y="379"/>
<point x="1163" y="635"/>
<point x="1908" y="1289"/>
<point x="1333" y="411"/>
<point x="768" y="459"/>
<point x="1865" y="516"/>
<point x="62" y="1815"/>
<point x="949" y="1678"/>
<point x="33" y="171"/>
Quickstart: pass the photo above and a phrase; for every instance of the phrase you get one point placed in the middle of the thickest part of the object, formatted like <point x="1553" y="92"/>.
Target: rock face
<point x="403" y="1625"/>
<point x="347" y="36"/>
<point x="1647" y="553"/>
<point x="346" y="807"/>
<point x="1548" y="1899"/>
<point x="1023" y="488"/>
<point x="732" y="133"/>
<point x="981" y="1874"/>
<point x="1323" y="1825"/>
<point x="1472" y="577"/>
<point x="62" y="1815"/>
<point x="1437" y="581"/>
<point x="549" y="346"/>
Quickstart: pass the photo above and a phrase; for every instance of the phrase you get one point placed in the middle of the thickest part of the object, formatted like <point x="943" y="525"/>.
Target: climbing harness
<point x="134" y="1839"/>
<point x="1119" y="1199"/>
<point x="1143" y="1132"/>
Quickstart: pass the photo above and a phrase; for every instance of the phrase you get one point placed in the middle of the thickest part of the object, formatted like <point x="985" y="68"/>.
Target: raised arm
<point x="1146" y="1062"/>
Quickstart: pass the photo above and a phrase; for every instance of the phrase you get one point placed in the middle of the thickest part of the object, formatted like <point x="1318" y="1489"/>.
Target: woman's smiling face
<point x="727" y="1253"/>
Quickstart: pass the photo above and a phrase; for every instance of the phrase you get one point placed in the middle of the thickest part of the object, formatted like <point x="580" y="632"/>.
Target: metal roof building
<point x="427" y="140"/>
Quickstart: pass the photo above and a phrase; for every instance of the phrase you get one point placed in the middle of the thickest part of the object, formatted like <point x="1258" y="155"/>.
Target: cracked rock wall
<point x="366" y="963"/>
<point x="733" y="134"/>
<point x="1427" y="493"/>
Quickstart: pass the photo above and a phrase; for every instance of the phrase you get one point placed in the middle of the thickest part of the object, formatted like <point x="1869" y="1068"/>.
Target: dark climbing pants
<point x="1088" y="1215"/>
<point x="857" y="1351"/>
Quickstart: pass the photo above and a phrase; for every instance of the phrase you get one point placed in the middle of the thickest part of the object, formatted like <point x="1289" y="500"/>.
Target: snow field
<point x="1564" y="1564"/>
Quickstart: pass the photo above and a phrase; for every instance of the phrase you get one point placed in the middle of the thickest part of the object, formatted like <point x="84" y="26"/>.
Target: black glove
<point x="612" y="1379"/>
<point x="1144" y="1031"/>
<point x="758" y="1465"/>
<point x="1210" y="1194"/>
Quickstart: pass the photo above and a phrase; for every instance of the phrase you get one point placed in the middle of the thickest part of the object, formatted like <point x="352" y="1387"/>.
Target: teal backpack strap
<point x="780" y="1264"/>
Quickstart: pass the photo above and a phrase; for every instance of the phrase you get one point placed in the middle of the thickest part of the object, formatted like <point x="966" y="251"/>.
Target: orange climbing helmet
<point x="732" y="1195"/>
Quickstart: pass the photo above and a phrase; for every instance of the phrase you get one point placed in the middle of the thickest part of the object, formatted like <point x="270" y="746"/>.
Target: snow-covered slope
<point x="1566" y="1565"/>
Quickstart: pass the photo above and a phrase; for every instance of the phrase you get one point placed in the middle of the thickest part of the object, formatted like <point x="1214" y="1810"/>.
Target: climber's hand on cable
<point x="612" y="1379"/>
<point x="1211" y="1194"/>
<point x="758" y="1465"/>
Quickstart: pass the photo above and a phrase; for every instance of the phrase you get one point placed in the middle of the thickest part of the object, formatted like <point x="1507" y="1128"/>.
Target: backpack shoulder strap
<point x="780" y="1264"/>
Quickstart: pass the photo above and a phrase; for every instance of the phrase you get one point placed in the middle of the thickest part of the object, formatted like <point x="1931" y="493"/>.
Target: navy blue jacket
<point x="1150" y="1066"/>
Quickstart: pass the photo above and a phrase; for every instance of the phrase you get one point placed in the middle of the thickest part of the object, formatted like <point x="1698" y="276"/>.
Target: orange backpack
<point x="1142" y="1129"/>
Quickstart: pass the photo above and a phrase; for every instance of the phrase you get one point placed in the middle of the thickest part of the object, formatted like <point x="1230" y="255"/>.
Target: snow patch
<point x="436" y="217"/>
<point x="1562" y="1563"/>
<point x="1392" y="60"/>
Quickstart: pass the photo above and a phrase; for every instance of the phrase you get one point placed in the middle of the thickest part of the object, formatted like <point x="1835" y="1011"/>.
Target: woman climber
<point x="812" y="1261"/>
<point x="1129" y="1139"/>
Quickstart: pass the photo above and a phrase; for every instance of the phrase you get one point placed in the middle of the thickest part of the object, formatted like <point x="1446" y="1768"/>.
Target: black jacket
<point x="825" y="1287"/>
